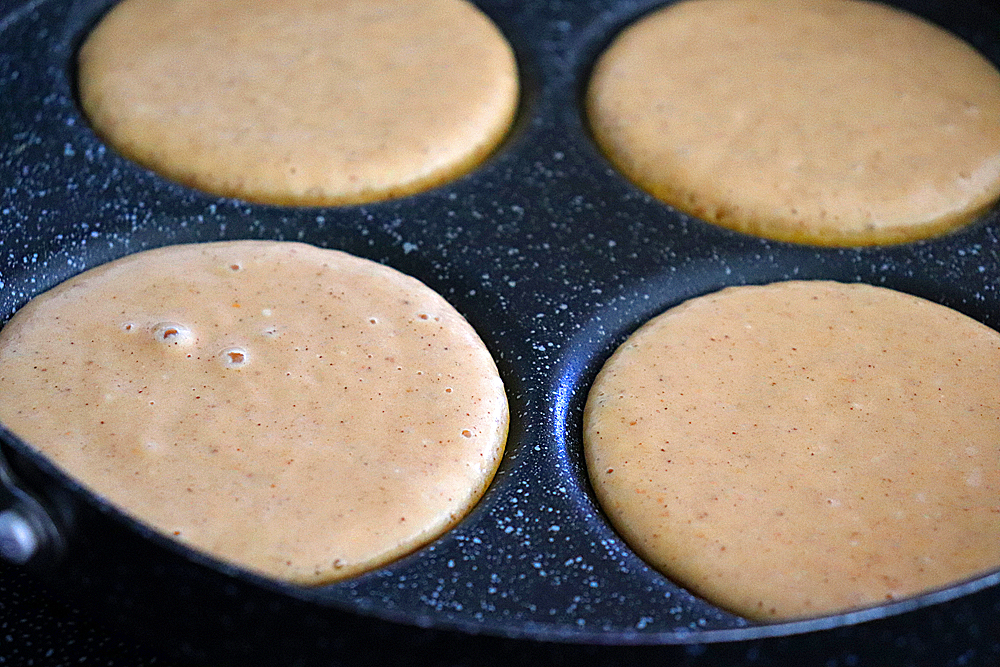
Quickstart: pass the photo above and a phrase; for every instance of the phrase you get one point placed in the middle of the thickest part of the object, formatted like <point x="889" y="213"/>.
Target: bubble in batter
<point x="234" y="357"/>
<point x="172" y="333"/>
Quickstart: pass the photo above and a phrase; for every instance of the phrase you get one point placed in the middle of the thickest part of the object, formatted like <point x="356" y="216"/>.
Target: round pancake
<point x="829" y="122"/>
<point x="300" y="102"/>
<point x="802" y="448"/>
<point x="299" y="412"/>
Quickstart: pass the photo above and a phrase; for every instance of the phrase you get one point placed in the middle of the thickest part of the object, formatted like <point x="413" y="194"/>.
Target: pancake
<point x="300" y="102"/>
<point x="299" y="412"/>
<point x="803" y="448"/>
<point x="827" y="122"/>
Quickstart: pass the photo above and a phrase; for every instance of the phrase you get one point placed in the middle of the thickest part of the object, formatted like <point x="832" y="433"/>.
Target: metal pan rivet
<point x="18" y="540"/>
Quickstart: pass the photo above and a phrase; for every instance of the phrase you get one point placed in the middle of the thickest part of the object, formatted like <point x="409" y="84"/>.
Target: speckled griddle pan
<point x="554" y="258"/>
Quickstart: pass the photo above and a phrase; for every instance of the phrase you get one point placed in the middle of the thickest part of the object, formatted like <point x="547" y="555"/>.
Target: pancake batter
<point x="300" y="412"/>
<point x="803" y="448"/>
<point x="830" y="122"/>
<point x="300" y="102"/>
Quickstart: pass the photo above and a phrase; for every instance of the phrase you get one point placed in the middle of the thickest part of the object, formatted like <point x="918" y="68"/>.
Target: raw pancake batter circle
<point x="802" y="448"/>
<point x="830" y="122"/>
<point x="300" y="412"/>
<point x="300" y="102"/>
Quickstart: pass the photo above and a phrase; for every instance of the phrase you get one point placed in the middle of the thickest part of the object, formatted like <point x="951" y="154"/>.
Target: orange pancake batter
<point x="803" y="448"/>
<point x="300" y="412"/>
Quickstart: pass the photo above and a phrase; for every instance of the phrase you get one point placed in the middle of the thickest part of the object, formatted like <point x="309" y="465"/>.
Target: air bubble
<point x="128" y="327"/>
<point x="234" y="357"/>
<point x="466" y="433"/>
<point x="172" y="333"/>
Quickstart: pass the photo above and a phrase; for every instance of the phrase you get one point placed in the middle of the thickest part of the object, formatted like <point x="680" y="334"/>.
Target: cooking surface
<point x="554" y="259"/>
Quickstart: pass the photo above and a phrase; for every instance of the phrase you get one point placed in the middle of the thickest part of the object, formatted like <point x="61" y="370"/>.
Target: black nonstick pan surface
<point x="554" y="258"/>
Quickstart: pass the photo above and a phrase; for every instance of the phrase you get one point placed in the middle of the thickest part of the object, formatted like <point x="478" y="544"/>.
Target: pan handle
<point x="28" y="533"/>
